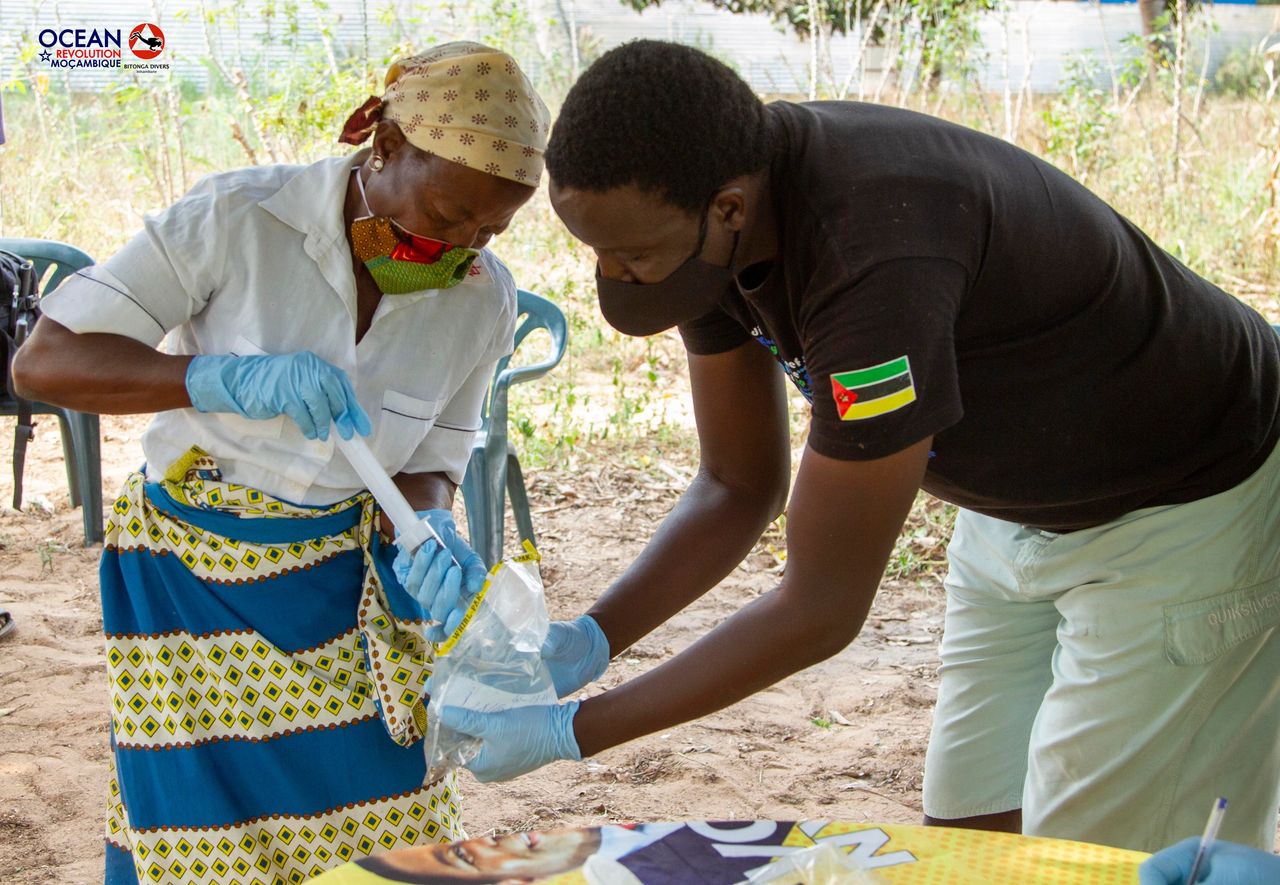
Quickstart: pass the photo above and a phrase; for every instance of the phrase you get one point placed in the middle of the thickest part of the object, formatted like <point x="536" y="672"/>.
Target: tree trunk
<point x="1157" y="42"/>
<point x="1150" y="10"/>
<point x="556" y="42"/>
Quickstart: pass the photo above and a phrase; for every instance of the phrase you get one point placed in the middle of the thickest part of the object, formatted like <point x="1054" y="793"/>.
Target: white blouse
<point x="256" y="261"/>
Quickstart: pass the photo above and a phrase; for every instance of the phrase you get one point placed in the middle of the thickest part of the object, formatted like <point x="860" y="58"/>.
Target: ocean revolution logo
<point x="103" y="48"/>
<point x="80" y="47"/>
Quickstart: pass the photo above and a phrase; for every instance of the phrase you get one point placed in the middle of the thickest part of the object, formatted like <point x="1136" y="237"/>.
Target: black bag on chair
<point x="19" y="310"/>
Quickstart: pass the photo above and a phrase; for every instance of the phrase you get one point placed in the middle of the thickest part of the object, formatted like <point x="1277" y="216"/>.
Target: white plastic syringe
<point x="410" y="530"/>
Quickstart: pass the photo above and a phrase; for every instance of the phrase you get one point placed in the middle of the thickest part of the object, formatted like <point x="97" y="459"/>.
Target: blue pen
<point x="1206" y="841"/>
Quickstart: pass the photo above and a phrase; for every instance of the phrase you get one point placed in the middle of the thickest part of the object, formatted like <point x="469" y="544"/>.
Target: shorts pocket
<point x="1198" y="632"/>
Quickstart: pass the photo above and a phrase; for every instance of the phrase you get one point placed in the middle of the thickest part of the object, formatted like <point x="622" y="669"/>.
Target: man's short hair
<point x="664" y="117"/>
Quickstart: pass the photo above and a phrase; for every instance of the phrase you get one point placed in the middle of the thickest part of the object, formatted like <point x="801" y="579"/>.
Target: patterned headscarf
<point x="464" y="102"/>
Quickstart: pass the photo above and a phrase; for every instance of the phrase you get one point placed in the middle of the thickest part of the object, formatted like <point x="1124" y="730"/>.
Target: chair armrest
<point x="520" y="374"/>
<point x="540" y="314"/>
<point x="558" y="330"/>
<point x="64" y="259"/>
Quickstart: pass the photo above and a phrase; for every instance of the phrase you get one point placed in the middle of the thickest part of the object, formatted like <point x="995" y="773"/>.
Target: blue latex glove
<point x="444" y="580"/>
<point x="518" y="740"/>
<point x="1227" y="864"/>
<point x="576" y="652"/>
<point x="309" y="390"/>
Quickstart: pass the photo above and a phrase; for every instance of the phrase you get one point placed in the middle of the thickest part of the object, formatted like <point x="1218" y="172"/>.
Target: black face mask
<point x="688" y="292"/>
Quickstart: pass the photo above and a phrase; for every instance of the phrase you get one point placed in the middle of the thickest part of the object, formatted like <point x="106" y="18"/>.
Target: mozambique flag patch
<point x="876" y="390"/>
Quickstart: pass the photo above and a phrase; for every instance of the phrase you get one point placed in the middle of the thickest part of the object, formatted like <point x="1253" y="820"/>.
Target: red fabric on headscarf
<point x="362" y="122"/>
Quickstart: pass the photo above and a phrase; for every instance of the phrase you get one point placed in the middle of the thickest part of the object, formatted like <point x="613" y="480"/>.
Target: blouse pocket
<point x="401" y="427"/>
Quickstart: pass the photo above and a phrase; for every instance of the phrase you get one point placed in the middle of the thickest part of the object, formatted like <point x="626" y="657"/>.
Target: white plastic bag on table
<point x="493" y="659"/>
<point x="819" y="865"/>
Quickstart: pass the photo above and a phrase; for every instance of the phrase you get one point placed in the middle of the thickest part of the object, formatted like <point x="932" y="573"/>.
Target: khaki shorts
<point x="1111" y="682"/>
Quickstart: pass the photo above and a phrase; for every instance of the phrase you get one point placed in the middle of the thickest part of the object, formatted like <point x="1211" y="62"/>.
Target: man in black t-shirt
<point x="966" y="319"/>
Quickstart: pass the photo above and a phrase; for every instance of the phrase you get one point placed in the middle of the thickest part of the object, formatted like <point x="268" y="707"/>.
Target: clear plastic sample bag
<point x="493" y="660"/>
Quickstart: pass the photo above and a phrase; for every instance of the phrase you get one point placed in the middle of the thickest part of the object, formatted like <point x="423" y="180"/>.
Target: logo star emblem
<point x="45" y="56"/>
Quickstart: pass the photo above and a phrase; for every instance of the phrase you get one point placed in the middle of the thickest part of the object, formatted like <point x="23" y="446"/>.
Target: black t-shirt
<point x="936" y="281"/>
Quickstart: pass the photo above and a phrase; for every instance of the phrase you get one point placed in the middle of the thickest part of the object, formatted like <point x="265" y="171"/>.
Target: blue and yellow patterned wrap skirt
<point x="266" y="676"/>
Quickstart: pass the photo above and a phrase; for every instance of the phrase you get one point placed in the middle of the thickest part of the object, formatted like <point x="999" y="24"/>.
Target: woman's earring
<point x="376" y="163"/>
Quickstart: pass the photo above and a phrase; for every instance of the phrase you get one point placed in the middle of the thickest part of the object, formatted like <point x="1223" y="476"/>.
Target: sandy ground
<point x="783" y="753"/>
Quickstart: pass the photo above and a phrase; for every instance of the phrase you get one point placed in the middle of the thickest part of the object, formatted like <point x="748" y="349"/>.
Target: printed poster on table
<point x="728" y="852"/>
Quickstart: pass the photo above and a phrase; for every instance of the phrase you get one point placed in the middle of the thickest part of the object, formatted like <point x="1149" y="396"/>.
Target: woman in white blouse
<point x="266" y="665"/>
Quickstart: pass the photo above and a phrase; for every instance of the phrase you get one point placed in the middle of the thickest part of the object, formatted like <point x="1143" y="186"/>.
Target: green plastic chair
<point x="494" y="469"/>
<point x="81" y="450"/>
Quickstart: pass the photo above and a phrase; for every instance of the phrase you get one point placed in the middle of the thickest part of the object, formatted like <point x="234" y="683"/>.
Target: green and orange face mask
<point x="402" y="262"/>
